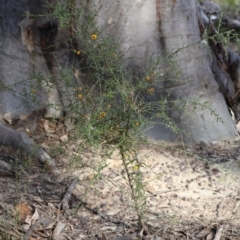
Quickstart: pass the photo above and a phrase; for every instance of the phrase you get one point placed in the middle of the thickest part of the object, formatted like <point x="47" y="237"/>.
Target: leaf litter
<point x="192" y="193"/>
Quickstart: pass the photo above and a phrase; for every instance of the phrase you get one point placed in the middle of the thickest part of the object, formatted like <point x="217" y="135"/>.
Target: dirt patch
<point x="192" y="193"/>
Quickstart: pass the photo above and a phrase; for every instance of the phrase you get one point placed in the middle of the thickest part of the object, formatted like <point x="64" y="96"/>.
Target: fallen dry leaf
<point x="64" y="138"/>
<point x="24" y="211"/>
<point x="35" y="216"/>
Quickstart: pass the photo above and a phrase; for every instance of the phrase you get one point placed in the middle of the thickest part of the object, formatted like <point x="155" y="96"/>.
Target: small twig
<point x="45" y="221"/>
<point x="170" y="190"/>
<point x="219" y="207"/>
<point x="106" y="218"/>
<point x="65" y="201"/>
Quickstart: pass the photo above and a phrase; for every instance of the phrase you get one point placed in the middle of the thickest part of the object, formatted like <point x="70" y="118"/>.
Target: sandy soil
<point x="191" y="193"/>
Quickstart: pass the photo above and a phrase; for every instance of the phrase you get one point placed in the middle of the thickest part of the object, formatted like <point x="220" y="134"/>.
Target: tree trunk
<point x="179" y="28"/>
<point x="148" y="30"/>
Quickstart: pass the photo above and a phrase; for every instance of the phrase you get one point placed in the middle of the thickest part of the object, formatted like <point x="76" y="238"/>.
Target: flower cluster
<point x="150" y="90"/>
<point x="94" y="36"/>
<point x="80" y="96"/>
<point x="150" y="78"/>
<point x="102" y="115"/>
<point x="77" y="52"/>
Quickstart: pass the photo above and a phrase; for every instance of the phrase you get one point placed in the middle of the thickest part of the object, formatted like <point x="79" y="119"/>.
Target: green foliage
<point x="110" y="104"/>
<point x="231" y="3"/>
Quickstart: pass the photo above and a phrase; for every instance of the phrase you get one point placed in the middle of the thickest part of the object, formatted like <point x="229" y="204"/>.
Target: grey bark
<point x="177" y="28"/>
<point x="197" y="77"/>
<point x="148" y="29"/>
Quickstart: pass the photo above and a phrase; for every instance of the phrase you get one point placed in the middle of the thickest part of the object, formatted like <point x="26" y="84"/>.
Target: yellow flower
<point x="102" y="115"/>
<point x="94" y="36"/>
<point x="150" y="90"/>
<point x="136" y="123"/>
<point x="148" y="78"/>
<point x="78" y="52"/>
<point x="136" y="168"/>
<point x="80" y="96"/>
<point x="131" y="152"/>
<point x="34" y="90"/>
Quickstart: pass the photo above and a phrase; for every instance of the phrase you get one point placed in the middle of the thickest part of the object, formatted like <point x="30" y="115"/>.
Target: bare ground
<point x="192" y="193"/>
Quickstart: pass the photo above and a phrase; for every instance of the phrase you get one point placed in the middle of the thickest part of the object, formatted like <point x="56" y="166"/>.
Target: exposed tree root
<point x="20" y="140"/>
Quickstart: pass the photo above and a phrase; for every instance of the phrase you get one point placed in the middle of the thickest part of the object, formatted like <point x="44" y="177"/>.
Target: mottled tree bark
<point x="148" y="29"/>
<point x="159" y="28"/>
